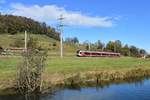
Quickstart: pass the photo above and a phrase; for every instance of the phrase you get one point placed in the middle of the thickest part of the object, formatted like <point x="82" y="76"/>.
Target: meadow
<point x="57" y="70"/>
<point x="77" y="64"/>
<point x="8" y="65"/>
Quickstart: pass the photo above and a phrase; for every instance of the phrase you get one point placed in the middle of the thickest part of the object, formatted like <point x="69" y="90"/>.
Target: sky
<point x="92" y="20"/>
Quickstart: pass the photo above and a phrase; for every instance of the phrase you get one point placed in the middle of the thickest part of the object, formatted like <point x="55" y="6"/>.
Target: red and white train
<point x="81" y="53"/>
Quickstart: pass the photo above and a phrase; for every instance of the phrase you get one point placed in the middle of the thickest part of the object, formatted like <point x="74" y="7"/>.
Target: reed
<point x="98" y="77"/>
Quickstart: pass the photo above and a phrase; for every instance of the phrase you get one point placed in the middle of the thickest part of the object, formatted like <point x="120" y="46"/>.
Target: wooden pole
<point x="25" y="41"/>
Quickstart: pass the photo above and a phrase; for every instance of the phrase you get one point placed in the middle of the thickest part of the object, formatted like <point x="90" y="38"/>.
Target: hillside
<point x="42" y="39"/>
<point x="17" y="24"/>
<point x="12" y="35"/>
<point x="8" y="41"/>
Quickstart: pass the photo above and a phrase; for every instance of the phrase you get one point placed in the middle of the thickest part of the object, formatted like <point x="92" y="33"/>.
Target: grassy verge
<point x="78" y="69"/>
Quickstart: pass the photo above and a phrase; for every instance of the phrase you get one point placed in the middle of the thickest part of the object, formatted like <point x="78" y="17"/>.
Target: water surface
<point x="125" y="91"/>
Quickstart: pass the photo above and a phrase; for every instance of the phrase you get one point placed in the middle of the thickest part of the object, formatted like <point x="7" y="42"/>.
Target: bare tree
<point x="31" y="69"/>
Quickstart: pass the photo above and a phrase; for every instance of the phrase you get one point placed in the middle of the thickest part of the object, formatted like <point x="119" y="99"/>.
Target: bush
<point x="31" y="68"/>
<point x="1" y="49"/>
<point x="54" y="44"/>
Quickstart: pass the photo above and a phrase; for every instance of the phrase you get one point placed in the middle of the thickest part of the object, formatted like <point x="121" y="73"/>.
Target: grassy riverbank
<point x="75" y="69"/>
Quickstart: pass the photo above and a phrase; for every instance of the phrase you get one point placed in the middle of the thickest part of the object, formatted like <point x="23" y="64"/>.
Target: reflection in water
<point x="32" y="97"/>
<point x="124" y="91"/>
<point x="137" y="90"/>
<point x="20" y="97"/>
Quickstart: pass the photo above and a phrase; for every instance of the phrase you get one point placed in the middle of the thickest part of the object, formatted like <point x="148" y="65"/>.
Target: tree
<point x="134" y="51"/>
<point x="93" y="47"/>
<point x="73" y="40"/>
<point x="118" y="46"/>
<point x="44" y="28"/>
<point x="100" y="45"/>
<point x="125" y="50"/>
<point x="114" y="46"/>
<point x="18" y="24"/>
<point x="87" y="45"/>
<point x="110" y="46"/>
<point x="142" y="52"/>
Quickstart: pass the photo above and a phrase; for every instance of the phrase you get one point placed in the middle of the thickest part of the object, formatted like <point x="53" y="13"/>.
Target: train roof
<point x="99" y="52"/>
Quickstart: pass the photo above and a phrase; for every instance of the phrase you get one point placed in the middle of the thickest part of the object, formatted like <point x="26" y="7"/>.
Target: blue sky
<point x="125" y="20"/>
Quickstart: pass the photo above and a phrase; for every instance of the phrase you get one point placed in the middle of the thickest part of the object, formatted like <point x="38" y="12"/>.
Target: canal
<point x="139" y="90"/>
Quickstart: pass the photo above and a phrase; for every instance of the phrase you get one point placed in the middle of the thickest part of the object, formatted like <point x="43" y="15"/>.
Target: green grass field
<point x="75" y="64"/>
<point x="56" y="68"/>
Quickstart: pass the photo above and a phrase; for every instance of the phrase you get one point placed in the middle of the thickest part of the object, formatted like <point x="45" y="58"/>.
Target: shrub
<point x="1" y="49"/>
<point x="31" y="69"/>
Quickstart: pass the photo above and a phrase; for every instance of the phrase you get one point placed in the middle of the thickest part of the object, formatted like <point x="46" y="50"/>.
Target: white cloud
<point x="49" y="13"/>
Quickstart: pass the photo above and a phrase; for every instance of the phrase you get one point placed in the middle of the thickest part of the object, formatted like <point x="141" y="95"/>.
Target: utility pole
<point x="103" y="48"/>
<point x="61" y="29"/>
<point x="89" y="46"/>
<point x="25" y="41"/>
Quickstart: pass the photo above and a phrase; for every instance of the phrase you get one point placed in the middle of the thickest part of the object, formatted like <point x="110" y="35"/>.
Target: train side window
<point x="87" y="53"/>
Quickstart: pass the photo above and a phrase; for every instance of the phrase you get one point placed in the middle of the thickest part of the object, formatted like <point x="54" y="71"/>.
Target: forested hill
<point x="18" y="24"/>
